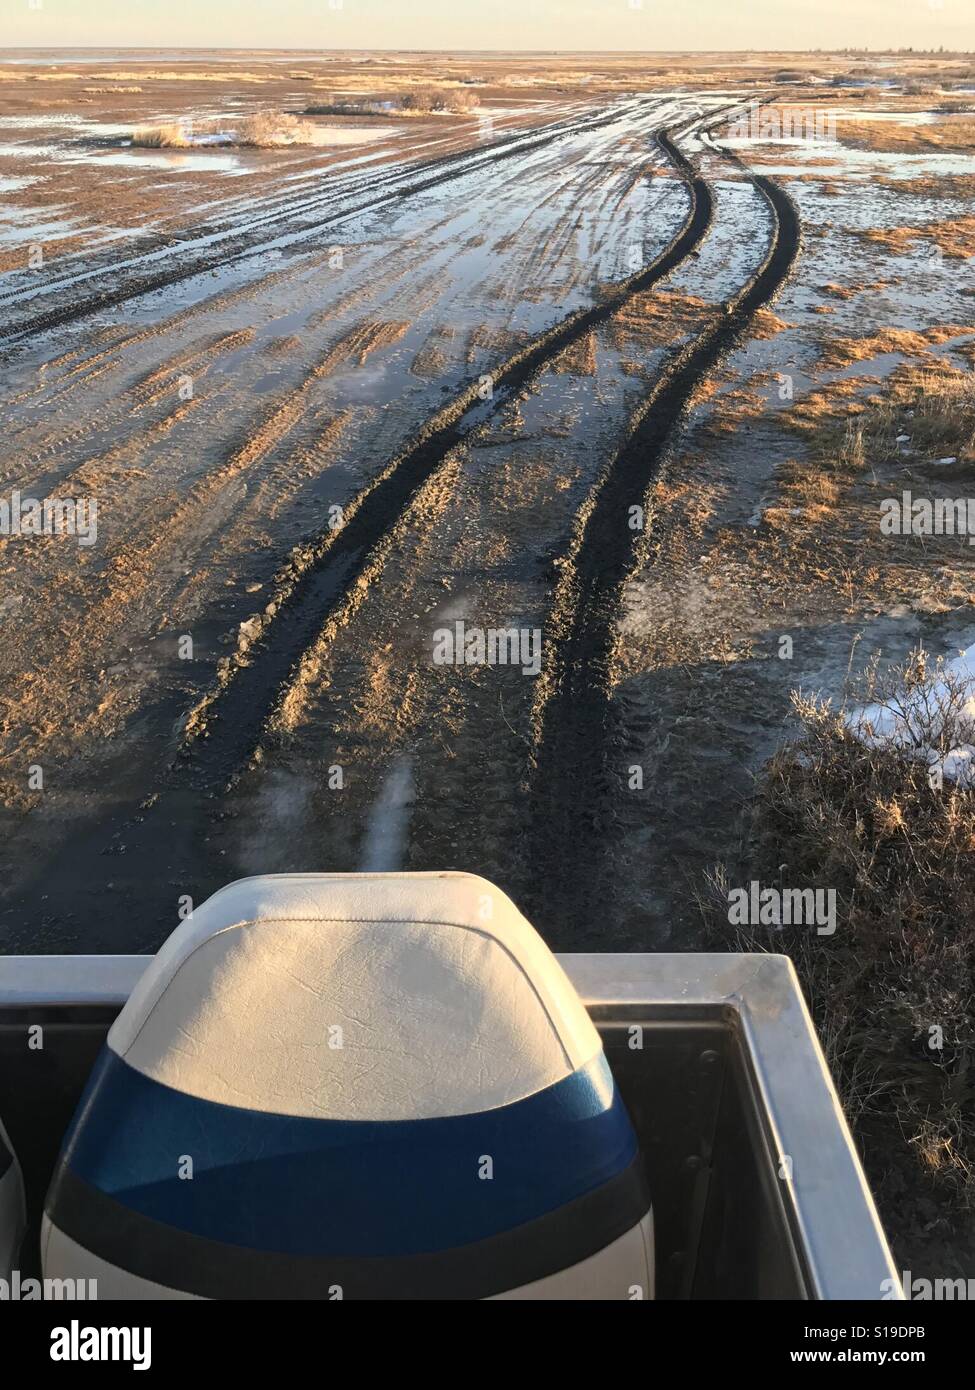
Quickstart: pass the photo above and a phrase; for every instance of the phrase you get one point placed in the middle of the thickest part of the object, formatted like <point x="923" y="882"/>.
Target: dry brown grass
<point x="955" y="237"/>
<point x="765" y="324"/>
<point x="894" y="137"/>
<point x="842" y="352"/>
<point x="934" y="405"/>
<point x="861" y="446"/>
<point x="941" y="402"/>
<point x="815" y="494"/>
<point x="814" y="487"/>
<point x="659" y="317"/>
<point x="579" y="357"/>
<point x="844" y="292"/>
<point x="823" y="407"/>
<point x="893" y="991"/>
<point x="933" y="186"/>
<point x="735" y="406"/>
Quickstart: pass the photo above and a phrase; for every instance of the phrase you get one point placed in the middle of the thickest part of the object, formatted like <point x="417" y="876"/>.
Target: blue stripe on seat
<point x="345" y="1187"/>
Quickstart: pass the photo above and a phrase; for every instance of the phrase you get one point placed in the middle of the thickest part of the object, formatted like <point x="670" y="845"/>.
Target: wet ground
<point x="332" y="403"/>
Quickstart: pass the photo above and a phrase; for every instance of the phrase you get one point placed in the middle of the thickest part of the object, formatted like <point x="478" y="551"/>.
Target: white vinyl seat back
<point x="13" y="1208"/>
<point x="355" y="1086"/>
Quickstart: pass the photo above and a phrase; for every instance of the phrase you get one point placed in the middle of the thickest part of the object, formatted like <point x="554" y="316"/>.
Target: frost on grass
<point x="265" y="130"/>
<point x="852" y="805"/>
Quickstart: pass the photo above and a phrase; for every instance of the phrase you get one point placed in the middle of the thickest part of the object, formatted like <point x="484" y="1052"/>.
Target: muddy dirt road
<point x="365" y="455"/>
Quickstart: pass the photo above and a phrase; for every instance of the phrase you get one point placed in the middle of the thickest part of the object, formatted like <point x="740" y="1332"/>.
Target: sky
<point x="572" y="25"/>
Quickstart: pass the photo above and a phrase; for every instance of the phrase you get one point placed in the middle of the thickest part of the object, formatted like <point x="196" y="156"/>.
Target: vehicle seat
<point x="352" y="1086"/>
<point x="13" y="1207"/>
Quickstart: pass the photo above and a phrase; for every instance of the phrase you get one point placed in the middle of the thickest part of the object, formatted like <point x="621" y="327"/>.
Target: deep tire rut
<point x="573" y="786"/>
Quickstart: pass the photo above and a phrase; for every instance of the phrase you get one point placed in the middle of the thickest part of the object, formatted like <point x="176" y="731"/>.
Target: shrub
<point x="269" y="128"/>
<point x="160" y="137"/>
<point x="893" y="991"/>
<point x="424" y="99"/>
<point x="264" y="130"/>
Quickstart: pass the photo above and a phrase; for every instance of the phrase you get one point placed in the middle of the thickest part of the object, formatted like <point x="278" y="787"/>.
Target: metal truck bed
<point x="757" y="1190"/>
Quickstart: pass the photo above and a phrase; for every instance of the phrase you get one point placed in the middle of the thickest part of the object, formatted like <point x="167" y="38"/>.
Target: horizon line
<point x="527" y="52"/>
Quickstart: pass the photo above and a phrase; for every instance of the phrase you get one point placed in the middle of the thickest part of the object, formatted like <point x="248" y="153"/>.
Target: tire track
<point x="572" y="715"/>
<point x="225" y="726"/>
<point x="167" y="834"/>
<point x="153" y="386"/>
<point x="449" y="167"/>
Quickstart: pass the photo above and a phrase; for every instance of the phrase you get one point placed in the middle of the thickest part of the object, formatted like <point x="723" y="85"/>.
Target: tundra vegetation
<point x="262" y="130"/>
<point x="420" y="101"/>
<point x="892" y="990"/>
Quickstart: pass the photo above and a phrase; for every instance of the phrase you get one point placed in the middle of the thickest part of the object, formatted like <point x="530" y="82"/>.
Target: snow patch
<point x="933" y="722"/>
